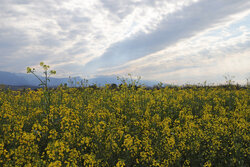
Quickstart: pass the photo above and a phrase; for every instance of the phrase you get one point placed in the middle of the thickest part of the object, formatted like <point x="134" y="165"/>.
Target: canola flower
<point x="125" y="127"/>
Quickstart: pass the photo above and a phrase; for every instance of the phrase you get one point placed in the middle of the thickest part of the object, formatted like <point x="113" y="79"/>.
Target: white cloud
<point x="121" y="36"/>
<point x="208" y="55"/>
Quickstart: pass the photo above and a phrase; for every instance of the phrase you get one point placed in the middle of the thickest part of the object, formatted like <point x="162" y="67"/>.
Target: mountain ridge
<point x="21" y="79"/>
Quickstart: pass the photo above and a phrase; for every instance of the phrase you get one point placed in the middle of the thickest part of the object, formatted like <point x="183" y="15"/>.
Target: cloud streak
<point x="175" y="27"/>
<point x="207" y="56"/>
<point x="154" y="39"/>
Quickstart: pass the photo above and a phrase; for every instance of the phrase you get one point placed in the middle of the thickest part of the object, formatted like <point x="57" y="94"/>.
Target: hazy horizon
<point x="172" y="41"/>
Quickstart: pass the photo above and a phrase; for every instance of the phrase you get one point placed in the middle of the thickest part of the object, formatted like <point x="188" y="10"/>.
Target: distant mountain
<point x="21" y="79"/>
<point x="8" y="78"/>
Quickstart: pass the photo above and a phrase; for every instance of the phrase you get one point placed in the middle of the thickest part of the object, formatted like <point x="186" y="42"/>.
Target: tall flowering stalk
<point x="44" y="82"/>
<point x="46" y="72"/>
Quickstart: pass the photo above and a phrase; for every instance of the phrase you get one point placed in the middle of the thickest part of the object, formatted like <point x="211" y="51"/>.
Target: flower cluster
<point x="126" y="126"/>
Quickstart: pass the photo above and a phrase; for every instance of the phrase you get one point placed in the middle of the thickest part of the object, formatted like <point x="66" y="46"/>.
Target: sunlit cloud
<point x="206" y="56"/>
<point x="167" y="40"/>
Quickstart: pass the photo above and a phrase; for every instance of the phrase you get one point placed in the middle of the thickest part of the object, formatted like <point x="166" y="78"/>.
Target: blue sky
<point x="173" y="41"/>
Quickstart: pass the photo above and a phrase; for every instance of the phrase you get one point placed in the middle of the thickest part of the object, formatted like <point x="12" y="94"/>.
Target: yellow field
<point x="125" y="127"/>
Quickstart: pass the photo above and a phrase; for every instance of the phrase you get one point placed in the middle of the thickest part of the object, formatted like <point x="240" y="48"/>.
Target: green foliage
<point x="229" y="79"/>
<point x="129" y="81"/>
<point x="74" y="83"/>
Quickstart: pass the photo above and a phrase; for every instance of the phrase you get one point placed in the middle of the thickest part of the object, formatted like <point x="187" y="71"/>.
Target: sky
<point x="172" y="41"/>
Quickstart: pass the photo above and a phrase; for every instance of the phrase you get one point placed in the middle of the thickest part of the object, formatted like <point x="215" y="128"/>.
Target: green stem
<point x="37" y="77"/>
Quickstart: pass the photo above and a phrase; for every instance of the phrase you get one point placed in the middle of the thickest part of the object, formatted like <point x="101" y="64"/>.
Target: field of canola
<point x="206" y="126"/>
